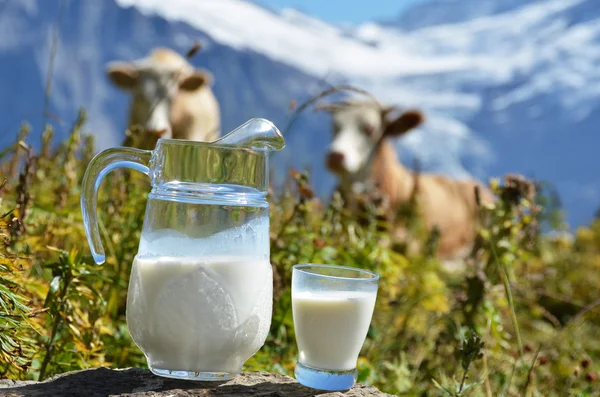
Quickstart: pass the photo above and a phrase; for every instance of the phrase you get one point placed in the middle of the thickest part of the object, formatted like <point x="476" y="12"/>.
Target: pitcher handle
<point x="102" y="164"/>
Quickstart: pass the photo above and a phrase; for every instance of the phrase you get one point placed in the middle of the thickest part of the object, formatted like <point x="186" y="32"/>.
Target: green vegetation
<point x="522" y="318"/>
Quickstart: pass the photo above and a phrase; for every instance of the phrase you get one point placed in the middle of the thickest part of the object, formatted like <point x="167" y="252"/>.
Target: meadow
<point x="521" y="318"/>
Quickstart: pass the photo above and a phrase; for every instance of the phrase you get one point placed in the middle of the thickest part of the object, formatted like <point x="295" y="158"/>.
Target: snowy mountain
<point x="507" y="85"/>
<point x="441" y="12"/>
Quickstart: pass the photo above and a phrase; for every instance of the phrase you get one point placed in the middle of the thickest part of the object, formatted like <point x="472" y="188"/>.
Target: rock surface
<point x="103" y="382"/>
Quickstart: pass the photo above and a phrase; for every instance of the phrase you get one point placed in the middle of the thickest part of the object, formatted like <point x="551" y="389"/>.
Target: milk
<point x="331" y="327"/>
<point x="199" y="314"/>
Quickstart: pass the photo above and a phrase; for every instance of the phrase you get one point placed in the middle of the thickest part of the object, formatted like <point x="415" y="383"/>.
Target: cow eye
<point x="176" y="76"/>
<point x="368" y="129"/>
<point x="336" y="127"/>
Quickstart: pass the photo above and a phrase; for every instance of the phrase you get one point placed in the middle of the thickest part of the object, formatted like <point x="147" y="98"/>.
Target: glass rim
<point x="374" y="277"/>
<point x="209" y="145"/>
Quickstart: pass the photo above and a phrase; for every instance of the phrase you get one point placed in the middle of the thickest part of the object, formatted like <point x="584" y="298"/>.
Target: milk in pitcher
<point x="199" y="315"/>
<point x="200" y="304"/>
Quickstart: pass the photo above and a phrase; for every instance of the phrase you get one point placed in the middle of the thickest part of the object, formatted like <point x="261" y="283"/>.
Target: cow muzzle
<point x="335" y="162"/>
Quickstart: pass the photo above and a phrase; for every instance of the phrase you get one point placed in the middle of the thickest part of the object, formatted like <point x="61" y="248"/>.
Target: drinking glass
<point x="332" y="308"/>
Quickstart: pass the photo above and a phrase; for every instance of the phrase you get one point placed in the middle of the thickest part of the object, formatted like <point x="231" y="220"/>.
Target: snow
<point x="318" y="48"/>
<point x="293" y="38"/>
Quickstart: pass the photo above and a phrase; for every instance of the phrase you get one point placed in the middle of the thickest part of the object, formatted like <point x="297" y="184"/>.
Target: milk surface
<point x="331" y="327"/>
<point x="199" y="314"/>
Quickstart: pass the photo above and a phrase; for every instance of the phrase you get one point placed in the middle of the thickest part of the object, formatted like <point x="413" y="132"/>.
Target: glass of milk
<point x="201" y="287"/>
<point x="332" y="309"/>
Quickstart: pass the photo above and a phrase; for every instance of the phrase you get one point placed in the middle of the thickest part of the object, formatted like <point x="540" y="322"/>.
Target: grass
<point x="520" y="320"/>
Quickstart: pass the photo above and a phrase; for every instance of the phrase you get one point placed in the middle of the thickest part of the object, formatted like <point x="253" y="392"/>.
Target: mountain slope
<point x="438" y="12"/>
<point x="511" y="87"/>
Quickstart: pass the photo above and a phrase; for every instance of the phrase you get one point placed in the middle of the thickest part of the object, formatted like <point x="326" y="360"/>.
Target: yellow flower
<point x="585" y="235"/>
<point x="418" y="321"/>
<point x="363" y="362"/>
<point x="437" y="303"/>
<point x="399" y="321"/>
<point x="435" y="290"/>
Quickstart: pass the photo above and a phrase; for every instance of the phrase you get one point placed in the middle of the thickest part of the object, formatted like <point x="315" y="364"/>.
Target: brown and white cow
<point x="363" y="157"/>
<point x="170" y="98"/>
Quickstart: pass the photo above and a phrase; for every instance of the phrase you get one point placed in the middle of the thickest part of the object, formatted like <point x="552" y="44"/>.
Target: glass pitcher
<point x="200" y="294"/>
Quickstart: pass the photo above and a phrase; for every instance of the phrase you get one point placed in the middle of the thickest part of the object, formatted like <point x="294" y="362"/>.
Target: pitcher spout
<point x="257" y="133"/>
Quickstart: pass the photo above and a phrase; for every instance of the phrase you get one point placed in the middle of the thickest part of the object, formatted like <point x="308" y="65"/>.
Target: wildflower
<point x="471" y="349"/>
<point x="517" y="187"/>
<point x="319" y="243"/>
<point x="305" y="192"/>
<point x="586" y="362"/>
<point x="295" y="174"/>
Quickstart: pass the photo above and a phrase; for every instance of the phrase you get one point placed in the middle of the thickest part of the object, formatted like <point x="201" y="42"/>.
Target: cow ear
<point x="123" y="75"/>
<point x="196" y="80"/>
<point x="404" y="123"/>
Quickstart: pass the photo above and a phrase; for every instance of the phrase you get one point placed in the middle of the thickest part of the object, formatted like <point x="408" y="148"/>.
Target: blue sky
<point x="340" y="11"/>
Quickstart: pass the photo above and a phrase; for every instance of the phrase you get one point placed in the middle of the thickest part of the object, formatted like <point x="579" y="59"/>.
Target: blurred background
<point x="506" y="85"/>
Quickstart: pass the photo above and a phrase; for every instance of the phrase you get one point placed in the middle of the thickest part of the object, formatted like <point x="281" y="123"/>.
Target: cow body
<point x="170" y="99"/>
<point x="364" y="159"/>
<point x="446" y="204"/>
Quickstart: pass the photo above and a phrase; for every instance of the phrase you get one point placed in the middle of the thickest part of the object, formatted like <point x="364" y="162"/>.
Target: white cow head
<point x="358" y="127"/>
<point x="155" y="82"/>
